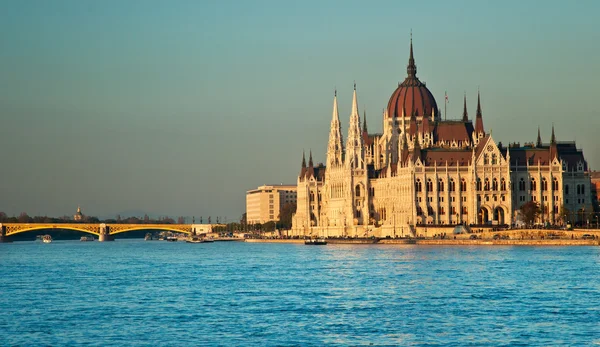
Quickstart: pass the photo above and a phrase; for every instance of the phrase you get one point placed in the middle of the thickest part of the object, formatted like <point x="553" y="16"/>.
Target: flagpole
<point x="445" y="102"/>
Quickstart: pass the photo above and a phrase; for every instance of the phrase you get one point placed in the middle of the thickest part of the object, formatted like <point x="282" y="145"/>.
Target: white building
<point x="264" y="203"/>
<point x="424" y="171"/>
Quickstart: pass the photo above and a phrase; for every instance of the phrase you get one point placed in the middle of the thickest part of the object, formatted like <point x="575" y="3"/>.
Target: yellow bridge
<point x="102" y="230"/>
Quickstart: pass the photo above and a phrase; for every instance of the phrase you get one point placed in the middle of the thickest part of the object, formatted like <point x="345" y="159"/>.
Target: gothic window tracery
<point x="418" y="185"/>
<point x="452" y="185"/>
<point x="486" y="185"/>
<point x="532" y="185"/>
<point x="463" y="185"/>
<point x="544" y="184"/>
<point x="479" y="184"/>
<point x="441" y="185"/>
<point x="503" y="184"/>
<point x="429" y="185"/>
<point x="495" y="184"/>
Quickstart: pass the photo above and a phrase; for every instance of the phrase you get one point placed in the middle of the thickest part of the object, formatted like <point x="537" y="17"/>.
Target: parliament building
<point x="423" y="171"/>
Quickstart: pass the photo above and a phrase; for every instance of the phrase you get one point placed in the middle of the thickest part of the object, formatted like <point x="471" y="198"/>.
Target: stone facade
<point x="423" y="170"/>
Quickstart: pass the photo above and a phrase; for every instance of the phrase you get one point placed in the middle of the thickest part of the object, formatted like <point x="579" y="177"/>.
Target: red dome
<point x="412" y="96"/>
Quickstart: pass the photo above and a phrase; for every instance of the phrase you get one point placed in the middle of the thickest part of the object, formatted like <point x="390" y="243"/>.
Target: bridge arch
<point x="14" y="230"/>
<point x="118" y="229"/>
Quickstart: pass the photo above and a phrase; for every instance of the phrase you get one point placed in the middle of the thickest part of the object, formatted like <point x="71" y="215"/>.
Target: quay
<point x="513" y="237"/>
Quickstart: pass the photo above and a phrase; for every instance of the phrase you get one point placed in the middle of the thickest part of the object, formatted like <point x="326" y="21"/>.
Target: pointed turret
<point x="310" y="161"/>
<point x="310" y="170"/>
<point x="335" y="147"/>
<point x="364" y="129"/>
<point x="416" y="153"/>
<point x="465" y="117"/>
<point x="303" y="169"/>
<point x="354" y="149"/>
<point x="478" y="118"/>
<point x="413" y="125"/>
<point x="553" y="146"/>
<point x="538" y="142"/>
<point x="411" y="69"/>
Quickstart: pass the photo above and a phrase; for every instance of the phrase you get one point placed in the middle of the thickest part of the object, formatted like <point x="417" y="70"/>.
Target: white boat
<point x="46" y="238"/>
<point x="86" y="238"/>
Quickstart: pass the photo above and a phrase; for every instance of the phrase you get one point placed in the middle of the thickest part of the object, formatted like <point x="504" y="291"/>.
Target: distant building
<point x="424" y="170"/>
<point x="264" y="203"/>
<point x="78" y="216"/>
<point x="595" y="177"/>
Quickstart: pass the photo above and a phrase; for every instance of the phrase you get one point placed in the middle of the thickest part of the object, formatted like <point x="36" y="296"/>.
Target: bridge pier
<point x="105" y="233"/>
<point x="3" y="233"/>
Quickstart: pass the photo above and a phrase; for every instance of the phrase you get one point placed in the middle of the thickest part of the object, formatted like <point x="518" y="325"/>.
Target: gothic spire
<point x="310" y="161"/>
<point x="538" y="143"/>
<point x="478" y="117"/>
<point x="354" y="150"/>
<point x="303" y="161"/>
<point x="303" y="170"/>
<point x="411" y="69"/>
<point x="465" y="113"/>
<point x="335" y="147"/>
<point x="364" y="129"/>
<point x="553" y="146"/>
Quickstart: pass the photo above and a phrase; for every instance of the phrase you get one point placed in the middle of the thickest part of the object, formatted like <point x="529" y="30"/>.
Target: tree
<point x="564" y="214"/>
<point x="530" y="212"/>
<point x="285" y="215"/>
<point x="24" y="218"/>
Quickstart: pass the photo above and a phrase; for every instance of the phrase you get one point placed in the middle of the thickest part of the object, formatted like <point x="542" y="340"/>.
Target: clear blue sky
<point x="179" y="107"/>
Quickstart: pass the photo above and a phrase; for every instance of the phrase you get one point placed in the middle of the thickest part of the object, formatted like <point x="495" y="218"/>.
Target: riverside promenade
<point x="512" y="237"/>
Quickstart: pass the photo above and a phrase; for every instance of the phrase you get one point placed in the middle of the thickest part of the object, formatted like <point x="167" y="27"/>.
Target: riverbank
<point x="443" y="242"/>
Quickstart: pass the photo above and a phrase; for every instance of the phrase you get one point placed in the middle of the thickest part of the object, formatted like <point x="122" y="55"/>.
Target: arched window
<point x="578" y="190"/>
<point x="440" y="185"/>
<point x="485" y="159"/>
<point x="418" y="185"/>
<point x="429" y="185"/>
<point x="522" y="185"/>
<point x="544" y="185"/>
<point x="494" y="159"/>
<point x="357" y="190"/>
<point x="312" y="196"/>
<point x="582" y="189"/>
<point x="430" y="210"/>
<point x="486" y="185"/>
<point x="495" y="184"/>
<point x="478" y="184"/>
<point x="452" y="185"/>
<point x="463" y="185"/>
<point x="419" y="211"/>
<point x="503" y="184"/>
<point x="555" y="184"/>
<point x="566" y="189"/>
<point x="532" y="185"/>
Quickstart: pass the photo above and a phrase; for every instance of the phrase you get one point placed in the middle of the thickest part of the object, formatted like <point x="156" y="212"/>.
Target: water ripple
<point x="157" y="293"/>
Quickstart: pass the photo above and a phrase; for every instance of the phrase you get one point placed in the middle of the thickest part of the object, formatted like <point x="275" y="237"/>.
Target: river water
<point x="141" y="293"/>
